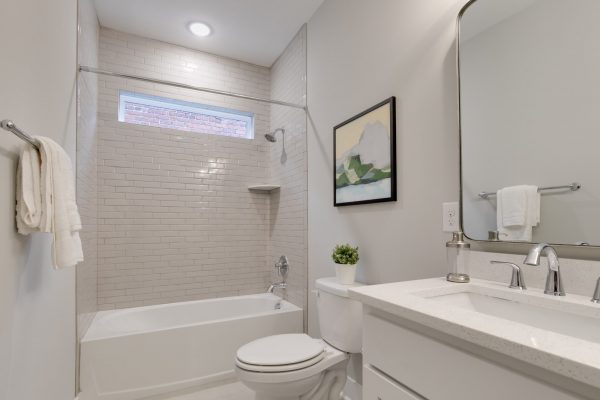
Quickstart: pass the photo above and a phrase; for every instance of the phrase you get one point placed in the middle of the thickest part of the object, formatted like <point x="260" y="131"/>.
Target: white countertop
<point x="568" y="356"/>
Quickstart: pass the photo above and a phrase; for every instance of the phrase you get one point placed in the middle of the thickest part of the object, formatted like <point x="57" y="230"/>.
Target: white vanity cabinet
<point x="378" y="386"/>
<point x="401" y="363"/>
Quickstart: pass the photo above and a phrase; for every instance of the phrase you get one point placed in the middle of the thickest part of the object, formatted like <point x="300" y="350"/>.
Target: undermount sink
<point x="519" y="308"/>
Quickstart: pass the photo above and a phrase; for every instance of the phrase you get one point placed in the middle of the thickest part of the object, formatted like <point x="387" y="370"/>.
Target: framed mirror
<point x="529" y="73"/>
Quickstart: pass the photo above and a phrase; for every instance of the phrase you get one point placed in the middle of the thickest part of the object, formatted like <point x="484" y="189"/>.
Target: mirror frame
<point x="501" y="244"/>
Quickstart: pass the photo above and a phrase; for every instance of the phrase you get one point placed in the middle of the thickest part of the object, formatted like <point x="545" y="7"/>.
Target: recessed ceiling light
<point x="200" y="29"/>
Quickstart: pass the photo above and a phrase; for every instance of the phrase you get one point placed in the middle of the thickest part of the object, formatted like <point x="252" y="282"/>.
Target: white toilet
<point x="298" y="367"/>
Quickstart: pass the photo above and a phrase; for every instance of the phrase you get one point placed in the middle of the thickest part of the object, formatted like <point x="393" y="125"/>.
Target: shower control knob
<point x="282" y="267"/>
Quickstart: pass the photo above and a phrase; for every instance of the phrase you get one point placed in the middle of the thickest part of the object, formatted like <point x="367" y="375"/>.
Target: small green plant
<point x="345" y="254"/>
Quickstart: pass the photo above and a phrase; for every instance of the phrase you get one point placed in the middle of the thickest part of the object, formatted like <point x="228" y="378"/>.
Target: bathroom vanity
<point x="435" y="340"/>
<point x="528" y="97"/>
<point x="528" y="115"/>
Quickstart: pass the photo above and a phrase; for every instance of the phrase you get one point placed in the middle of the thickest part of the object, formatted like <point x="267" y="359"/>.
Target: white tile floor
<point x="231" y="391"/>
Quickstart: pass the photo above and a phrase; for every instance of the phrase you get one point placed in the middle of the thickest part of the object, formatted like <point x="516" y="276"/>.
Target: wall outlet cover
<point x="451" y="217"/>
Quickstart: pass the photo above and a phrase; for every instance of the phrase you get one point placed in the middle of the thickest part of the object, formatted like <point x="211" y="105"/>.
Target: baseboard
<point x="352" y="390"/>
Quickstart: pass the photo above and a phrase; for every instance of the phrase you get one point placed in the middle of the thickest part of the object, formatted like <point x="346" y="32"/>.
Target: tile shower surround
<point x="175" y="219"/>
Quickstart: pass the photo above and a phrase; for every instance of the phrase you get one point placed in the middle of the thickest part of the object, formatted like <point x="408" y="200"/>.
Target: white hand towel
<point x="57" y="202"/>
<point x="513" y="205"/>
<point x="29" y="198"/>
<point x="534" y="202"/>
<point x="518" y="211"/>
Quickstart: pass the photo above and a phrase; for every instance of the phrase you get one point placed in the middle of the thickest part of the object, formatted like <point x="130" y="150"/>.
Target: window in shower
<point x="162" y="112"/>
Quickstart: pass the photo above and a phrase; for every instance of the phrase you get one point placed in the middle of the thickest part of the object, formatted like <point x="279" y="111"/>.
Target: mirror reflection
<point x="529" y="92"/>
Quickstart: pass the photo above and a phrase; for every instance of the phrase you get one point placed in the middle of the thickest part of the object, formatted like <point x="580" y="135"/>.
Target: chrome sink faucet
<point x="553" y="280"/>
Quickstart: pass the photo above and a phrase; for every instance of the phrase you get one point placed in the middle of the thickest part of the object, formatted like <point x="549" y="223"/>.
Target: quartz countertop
<point x="565" y="355"/>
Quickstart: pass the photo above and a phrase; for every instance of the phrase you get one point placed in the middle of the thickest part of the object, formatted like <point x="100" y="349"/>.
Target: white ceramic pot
<point x="345" y="273"/>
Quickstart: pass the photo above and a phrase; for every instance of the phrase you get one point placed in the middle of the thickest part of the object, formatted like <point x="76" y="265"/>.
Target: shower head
<point x="271" y="135"/>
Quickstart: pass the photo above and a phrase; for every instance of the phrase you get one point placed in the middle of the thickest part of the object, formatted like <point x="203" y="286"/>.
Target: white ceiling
<point x="255" y="31"/>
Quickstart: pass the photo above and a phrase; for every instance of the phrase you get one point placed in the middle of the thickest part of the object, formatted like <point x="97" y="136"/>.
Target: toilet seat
<point x="331" y="357"/>
<point x="280" y="353"/>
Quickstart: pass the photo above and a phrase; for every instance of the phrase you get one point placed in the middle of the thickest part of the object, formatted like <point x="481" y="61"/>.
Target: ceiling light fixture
<point x="200" y="29"/>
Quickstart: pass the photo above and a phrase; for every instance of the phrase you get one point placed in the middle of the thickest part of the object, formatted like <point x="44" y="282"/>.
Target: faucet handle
<point x="596" y="296"/>
<point x="282" y="266"/>
<point x="516" y="281"/>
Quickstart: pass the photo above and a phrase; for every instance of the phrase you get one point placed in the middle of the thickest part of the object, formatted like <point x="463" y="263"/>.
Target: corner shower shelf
<point x="263" y="188"/>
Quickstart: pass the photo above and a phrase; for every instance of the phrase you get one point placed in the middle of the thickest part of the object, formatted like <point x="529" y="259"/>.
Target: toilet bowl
<point x="292" y="367"/>
<point x="298" y="367"/>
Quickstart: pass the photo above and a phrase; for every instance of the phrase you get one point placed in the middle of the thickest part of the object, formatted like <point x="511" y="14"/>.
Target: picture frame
<point x="364" y="157"/>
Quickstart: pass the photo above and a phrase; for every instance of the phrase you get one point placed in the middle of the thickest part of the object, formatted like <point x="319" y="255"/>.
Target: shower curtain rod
<point x="184" y="86"/>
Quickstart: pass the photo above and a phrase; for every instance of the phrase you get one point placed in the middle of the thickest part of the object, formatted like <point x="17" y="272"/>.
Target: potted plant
<point x="345" y="258"/>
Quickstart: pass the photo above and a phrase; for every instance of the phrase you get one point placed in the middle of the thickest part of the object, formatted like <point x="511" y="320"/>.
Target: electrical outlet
<point x="451" y="215"/>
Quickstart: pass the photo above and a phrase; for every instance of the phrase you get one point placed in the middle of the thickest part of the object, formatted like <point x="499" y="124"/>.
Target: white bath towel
<point x="46" y="200"/>
<point x="518" y="211"/>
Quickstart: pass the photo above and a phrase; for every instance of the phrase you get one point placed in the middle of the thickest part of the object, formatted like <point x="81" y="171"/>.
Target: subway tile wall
<point x="87" y="184"/>
<point x="175" y="219"/>
<point x="288" y="168"/>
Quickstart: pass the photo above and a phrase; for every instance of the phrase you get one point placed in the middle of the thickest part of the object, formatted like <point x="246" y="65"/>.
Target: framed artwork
<point x="365" y="156"/>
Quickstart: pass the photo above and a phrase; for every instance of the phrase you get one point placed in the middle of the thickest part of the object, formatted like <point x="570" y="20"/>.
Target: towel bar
<point x="573" y="187"/>
<point x="10" y="126"/>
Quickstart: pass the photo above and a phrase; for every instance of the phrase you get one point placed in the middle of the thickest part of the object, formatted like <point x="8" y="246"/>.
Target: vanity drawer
<point x="379" y="387"/>
<point x="438" y="371"/>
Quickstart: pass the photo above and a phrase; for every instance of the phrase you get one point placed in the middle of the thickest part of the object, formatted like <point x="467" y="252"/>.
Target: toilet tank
<point x="340" y="317"/>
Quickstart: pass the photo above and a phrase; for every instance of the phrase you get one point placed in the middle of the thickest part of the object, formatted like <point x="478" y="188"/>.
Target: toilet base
<point x="327" y="385"/>
<point x="331" y="385"/>
<point x="283" y="391"/>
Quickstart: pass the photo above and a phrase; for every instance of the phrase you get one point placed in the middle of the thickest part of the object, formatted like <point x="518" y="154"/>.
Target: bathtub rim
<point x="286" y="307"/>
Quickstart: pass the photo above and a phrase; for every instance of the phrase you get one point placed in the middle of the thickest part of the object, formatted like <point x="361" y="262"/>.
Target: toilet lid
<point x="280" y="368"/>
<point x="280" y="350"/>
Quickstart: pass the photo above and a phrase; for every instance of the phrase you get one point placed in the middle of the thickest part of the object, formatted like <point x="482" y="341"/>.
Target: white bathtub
<point x="137" y="352"/>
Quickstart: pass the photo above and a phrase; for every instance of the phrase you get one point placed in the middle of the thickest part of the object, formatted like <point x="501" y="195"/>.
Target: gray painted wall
<point x="37" y="304"/>
<point x="360" y="53"/>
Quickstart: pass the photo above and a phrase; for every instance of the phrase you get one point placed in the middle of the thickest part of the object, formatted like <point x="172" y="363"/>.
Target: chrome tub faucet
<point x="282" y="267"/>
<point x="273" y="286"/>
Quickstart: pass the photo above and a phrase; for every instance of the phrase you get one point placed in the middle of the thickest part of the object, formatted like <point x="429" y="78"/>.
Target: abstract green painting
<point x="365" y="156"/>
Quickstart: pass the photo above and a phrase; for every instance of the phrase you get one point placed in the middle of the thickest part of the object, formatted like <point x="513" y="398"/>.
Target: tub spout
<point x="281" y="285"/>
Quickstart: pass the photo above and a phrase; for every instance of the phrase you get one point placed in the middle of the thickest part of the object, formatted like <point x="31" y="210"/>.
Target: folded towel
<point x="534" y="201"/>
<point x="46" y="200"/>
<point x="518" y="211"/>
<point x="29" y="198"/>
<point x="512" y="205"/>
